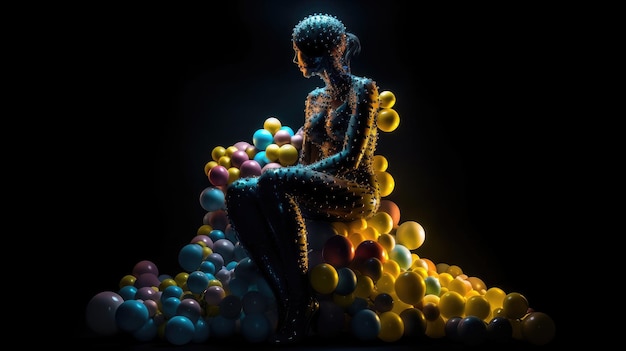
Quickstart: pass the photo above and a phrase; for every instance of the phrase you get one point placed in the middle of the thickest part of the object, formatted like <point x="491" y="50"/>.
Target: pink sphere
<point x="250" y="168"/>
<point x="239" y="157"/>
<point x="100" y="313"/>
<point x="270" y="165"/>
<point x="145" y="266"/>
<point x="282" y="137"/>
<point x="242" y="145"/>
<point x="296" y="141"/>
<point x="218" y="175"/>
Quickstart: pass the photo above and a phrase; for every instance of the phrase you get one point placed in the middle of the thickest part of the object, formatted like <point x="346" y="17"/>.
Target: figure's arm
<point x="358" y="132"/>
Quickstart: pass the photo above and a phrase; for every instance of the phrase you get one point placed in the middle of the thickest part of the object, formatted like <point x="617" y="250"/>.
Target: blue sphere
<point x="255" y="327"/>
<point x="212" y="199"/>
<point x="179" y="330"/>
<point x="365" y="325"/>
<point x="262" y="138"/>
<point x="190" y="257"/>
<point x="131" y="315"/>
<point x="197" y="282"/>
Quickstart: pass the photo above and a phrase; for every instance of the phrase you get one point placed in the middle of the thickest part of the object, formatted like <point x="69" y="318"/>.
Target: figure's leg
<point x="244" y="209"/>
<point x="288" y="226"/>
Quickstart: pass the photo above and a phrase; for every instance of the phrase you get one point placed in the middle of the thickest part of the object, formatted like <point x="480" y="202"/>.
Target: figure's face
<point x="308" y="66"/>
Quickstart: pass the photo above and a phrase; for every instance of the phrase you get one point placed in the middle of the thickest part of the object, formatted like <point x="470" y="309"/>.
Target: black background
<point x="152" y="90"/>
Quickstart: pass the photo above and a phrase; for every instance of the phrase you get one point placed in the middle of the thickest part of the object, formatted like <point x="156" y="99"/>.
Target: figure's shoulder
<point x="316" y="92"/>
<point x="364" y="85"/>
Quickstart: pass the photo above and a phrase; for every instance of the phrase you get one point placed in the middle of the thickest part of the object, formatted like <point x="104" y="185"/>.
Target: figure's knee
<point x="241" y="191"/>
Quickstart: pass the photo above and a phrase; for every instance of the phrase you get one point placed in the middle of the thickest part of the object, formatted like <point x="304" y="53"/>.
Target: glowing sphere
<point x="388" y="119"/>
<point x="381" y="221"/>
<point x="410" y="287"/>
<point x="262" y="138"/>
<point x="386" y="99"/>
<point x="287" y="155"/>
<point x="272" y="124"/>
<point x="410" y="234"/>
<point x="324" y="278"/>
<point x="250" y="168"/>
<point x="338" y="251"/>
<point x="538" y="328"/>
<point x="433" y="287"/>
<point x="402" y="255"/>
<point x="100" y="312"/>
<point x="386" y="183"/>
<point x="212" y="199"/>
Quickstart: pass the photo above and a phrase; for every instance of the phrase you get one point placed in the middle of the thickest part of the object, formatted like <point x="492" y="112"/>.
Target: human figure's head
<point x="321" y="42"/>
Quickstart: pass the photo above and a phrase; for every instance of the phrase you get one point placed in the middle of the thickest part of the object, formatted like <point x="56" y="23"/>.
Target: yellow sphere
<point x="387" y="99"/>
<point x="364" y="286"/>
<point x="387" y="241"/>
<point x="451" y="304"/>
<point x="233" y="174"/>
<point x="166" y="283"/>
<point x="324" y="278"/>
<point x="288" y="155"/>
<point x="495" y="296"/>
<point x="340" y="228"/>
<point x="386" y="283"/>
<point x="391" y="327"/>
<point x="272" y="151"/>
<point x="272" y="124"/>
<point x="204" y="229"/>
<point x="436" y="329"/>
<point x="410" y="287"/>
<point x="225" y="161"/>
<point x="231" y="150"/>
<point x="128" y="279"/>
<point x="386" y="183"/>
<point x="380" y="163"/>
<point x="515" y="305"/>
<point x="388" y="120"/>
<point x="218" y="152"/>
<point x="477" y="306"/>
<point x="410" y="234"/>
<point x="382" y="222"/>
<point x="208" y="166"/>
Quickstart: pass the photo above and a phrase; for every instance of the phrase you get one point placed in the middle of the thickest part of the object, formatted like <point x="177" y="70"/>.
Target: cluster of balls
<point x="367" y="275"/>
